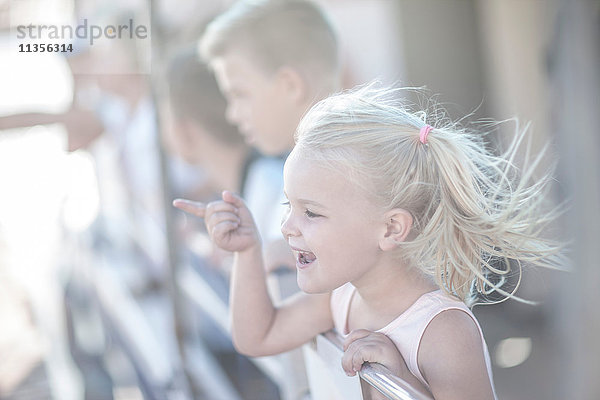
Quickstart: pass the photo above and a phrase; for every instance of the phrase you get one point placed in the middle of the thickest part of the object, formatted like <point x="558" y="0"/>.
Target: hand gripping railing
<point x="382" y="378"/>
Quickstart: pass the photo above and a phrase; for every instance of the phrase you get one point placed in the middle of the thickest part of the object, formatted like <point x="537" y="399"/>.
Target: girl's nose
<point x="288" y="227"/>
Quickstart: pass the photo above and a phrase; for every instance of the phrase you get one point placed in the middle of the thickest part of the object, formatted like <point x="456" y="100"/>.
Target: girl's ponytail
<point x="488" y="217"/>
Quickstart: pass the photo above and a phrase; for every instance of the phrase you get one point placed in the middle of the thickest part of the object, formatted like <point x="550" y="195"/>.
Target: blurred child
<point x="398" y="222"/>
<point x="273" y="60"/>
<point x="197" y="130"/>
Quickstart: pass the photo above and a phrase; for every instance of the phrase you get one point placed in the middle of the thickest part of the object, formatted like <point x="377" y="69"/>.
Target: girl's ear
<point x="398" y="224"/>
<point x="293" y="84"/>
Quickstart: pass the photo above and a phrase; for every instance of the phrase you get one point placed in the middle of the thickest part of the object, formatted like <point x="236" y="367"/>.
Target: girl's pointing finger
<point x="193" y="207"/>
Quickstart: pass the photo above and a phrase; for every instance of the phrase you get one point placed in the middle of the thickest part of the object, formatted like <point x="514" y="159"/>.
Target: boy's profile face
<point x="257" y="103"/>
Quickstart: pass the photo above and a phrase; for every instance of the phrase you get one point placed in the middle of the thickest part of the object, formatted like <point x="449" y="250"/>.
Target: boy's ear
<point x="293" y="83"/>
<point x="398" y="224"/>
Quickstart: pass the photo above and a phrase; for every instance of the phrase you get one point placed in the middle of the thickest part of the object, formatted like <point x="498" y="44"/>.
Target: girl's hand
<point x="228" y="222"/>
<point x="362" y="346"/>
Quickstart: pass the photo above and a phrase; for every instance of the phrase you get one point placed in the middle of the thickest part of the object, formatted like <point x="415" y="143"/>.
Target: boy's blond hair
<point x="277" y="33"/>
<point x="476" y="219"/>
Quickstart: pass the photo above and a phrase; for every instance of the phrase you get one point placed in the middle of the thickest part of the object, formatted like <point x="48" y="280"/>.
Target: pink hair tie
<point x="424" y="132"/>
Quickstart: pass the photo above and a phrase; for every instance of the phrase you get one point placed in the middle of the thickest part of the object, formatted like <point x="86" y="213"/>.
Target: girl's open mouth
<point x="304" y="259"/>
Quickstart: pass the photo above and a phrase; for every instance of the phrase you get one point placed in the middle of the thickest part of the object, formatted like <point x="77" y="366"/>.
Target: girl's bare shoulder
<point x="451" y="355"/>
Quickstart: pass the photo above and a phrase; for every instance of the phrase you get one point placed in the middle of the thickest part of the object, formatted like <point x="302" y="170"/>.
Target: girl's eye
<point x="308" y="213"/>
<point x="311" y="214"/>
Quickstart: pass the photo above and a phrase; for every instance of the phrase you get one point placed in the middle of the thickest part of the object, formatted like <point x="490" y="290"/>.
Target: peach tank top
<point x="407" y="329"/>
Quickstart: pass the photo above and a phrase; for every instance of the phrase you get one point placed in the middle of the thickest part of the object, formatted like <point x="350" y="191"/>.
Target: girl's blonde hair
<point x="475" y="218"/>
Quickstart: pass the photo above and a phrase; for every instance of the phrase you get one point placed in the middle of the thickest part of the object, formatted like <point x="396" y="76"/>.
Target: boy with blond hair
<point x="273" y="60"/>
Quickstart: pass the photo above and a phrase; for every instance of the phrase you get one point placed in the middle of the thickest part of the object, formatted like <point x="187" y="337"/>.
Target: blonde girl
<point x="398" y="223"/>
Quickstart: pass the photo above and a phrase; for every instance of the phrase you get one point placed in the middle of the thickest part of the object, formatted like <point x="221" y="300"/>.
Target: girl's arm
<point x="452" y="360"/>
<point x="258" y="327"/>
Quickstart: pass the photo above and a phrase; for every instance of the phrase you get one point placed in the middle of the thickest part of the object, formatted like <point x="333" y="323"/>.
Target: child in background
<point x="273" y="60"/>
<point x="197" y="130"/>
<point x="397" y="223"/>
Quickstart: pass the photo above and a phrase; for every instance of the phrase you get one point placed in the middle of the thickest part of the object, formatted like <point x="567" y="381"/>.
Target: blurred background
<point x="108" y="292"/>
